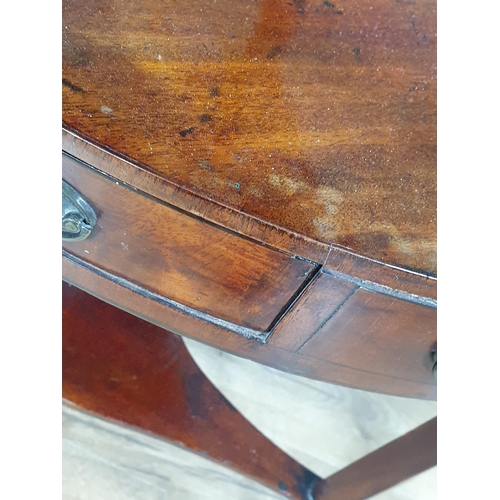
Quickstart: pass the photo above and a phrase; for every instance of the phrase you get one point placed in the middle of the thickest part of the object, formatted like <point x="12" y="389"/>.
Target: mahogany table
<point x="259" y="176"/>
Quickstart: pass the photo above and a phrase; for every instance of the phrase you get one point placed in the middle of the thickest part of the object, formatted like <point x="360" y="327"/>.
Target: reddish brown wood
<point x="373" y="272"/>
<point x="334" y="258"/>
<point x="180" y="257"/>
<point x="314" y="116"/>
<point x="320" y="300"/>
<point x="251" y="133"/>
<point x="297" y="363"/>
<point x="380" y="334"/>
<point x="126" y="369"/>
<point x="401" y="459"/>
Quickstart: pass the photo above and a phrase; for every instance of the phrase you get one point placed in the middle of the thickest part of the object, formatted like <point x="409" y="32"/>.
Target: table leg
<point x="398" y="460"/>
<point x="118" y="366"/>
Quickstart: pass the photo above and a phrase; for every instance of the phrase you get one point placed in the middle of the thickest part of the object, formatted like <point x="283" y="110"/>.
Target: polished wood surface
<point x="316" y="306"/>
<point x="168" y="255"/>
<point x="126" y="369"/>
<point x="404" y="457"/>
<point x="264" y="176"/>
<point x="264" y="169"/>
<point x="316" y="117"/>
<point x="329" y="256"/>
<point x="180" y="257"/>
<point x="140" y="303"/>
<point x="379" y="334"/>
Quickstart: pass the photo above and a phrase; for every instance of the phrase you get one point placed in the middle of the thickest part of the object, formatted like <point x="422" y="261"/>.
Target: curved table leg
<point x="398" y="460"/>
<point x="123" y="368"/>
<point x="120" y="367"/>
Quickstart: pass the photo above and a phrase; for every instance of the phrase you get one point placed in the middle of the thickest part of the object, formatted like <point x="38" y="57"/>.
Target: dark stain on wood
<point x="74" y="88"/>
<point x="214" y="91"/>
<point x="187" y="131"/>
<point x="275" y="51"/>
<point x="204" y="118"/>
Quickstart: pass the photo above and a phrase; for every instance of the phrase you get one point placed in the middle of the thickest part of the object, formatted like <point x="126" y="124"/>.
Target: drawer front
<point x="367" y="332"/>
<point x="378" y="334"/>
<point x="180" y="257"/>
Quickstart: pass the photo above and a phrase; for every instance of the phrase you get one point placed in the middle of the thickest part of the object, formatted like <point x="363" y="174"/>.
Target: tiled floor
<point x="325" y="427"/>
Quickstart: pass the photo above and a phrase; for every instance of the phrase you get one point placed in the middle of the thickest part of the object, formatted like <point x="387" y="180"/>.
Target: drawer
<point x="378" y="334"/>
<point x="369" y="333"/>
<point x="180" y="257"/>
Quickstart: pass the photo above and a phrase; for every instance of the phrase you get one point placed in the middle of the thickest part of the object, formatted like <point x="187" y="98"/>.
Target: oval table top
<point x="315" y="117"/>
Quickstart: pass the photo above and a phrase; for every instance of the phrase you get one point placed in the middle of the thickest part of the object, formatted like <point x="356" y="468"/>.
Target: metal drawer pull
<point x="78" y="217"/>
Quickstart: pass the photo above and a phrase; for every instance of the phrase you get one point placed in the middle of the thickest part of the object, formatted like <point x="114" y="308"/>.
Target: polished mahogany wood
<point x="142" y="242"/>
<point x="264" y="178"/>
<point x="316" y="306"/>
<point x="283" y="156"/>
<point x="180" y="257"/>
<point x="379" y="334"/>
<point x="123" y="368"/>
<point x="401" y="459"/>
<point x="141" y="304"/>
<point x="317" y="117"/>
<point x="331" y="257"/>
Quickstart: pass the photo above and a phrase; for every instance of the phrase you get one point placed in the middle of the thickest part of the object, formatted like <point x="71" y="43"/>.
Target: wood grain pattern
<point x="404" y="457"/>
<point x="315" y="116"/>
<point x="140" y="304"/>
<point x="180" y="257"/>
<point x="123" y="368"/>
<point x="381" y="334"/>
<point x="362" y="269"/>
<point x="334" y="258"/>
<point x="321" y="299"/>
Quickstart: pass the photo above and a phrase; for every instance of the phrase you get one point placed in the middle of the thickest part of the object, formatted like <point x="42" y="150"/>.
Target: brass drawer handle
<point x="78" y="217"/>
